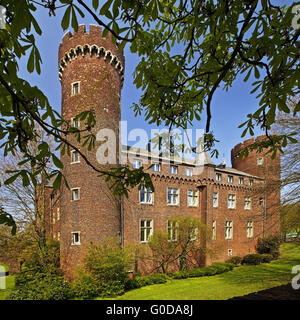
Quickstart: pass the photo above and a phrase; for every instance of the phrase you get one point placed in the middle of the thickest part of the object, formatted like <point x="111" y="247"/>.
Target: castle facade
<point x="239" y="204"/>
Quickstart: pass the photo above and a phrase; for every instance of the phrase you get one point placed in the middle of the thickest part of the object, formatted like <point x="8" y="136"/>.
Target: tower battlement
<point x="91" y="43"/>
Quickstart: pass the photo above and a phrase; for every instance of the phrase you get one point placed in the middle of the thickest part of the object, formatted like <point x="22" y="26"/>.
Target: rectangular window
<point x="75" y="88"/>
<point x="193" y="234"/>
<point x="58" y="235"/>
<point x="229" y="252"/>
<point x="58" y="214"/>
<point x="75" y="194"/>
<point x="250" y="229"/>
<point x="145" y="195"/>
<point x="214" y="230"/>
<point x="189" y="172"/>
<point x="218" y="177"/>
<point x="172" y="230"/>
<point x="75" y="156"/>
<point x="230" y="179"/>
<point x="156" y="167"/>
<point x="260" y="161"/>
<point x="76" y="238"/>
<point x="173" y="169"/>
<point x="261" y="202"/>
<point x="231" y="201"/>
<point x="136" y="164"/>
<point x="173" y="196"/>
<point x="193" y="198"/>
<point x="146" y="229"/>
<point x="247" y="204"/>
<point x="250" y="182"/>
<point x="75" y="123"/>
<point x="215" y="199"/>
<point x="241" y="180"/>
<point x="228" y="229"/>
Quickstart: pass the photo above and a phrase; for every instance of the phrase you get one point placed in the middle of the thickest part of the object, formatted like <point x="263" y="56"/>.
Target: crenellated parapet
<point x="91" y="44"/>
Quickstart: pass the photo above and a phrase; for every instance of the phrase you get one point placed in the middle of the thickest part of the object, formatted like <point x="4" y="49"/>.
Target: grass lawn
<point x="238" y="282"/>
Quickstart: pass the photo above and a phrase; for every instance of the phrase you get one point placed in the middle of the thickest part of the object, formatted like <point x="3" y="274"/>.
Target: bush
<point x="40" y="285"/>
<point x="85" y="286"/>
<point x="266" y="258"/>
<point x="235" y="260"/>
<point x="269" y="245"/>
<point x="253" y="259"/>
<point x="139" y="282"/>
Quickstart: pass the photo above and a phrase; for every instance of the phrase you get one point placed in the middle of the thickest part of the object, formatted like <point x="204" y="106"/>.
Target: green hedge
<point x="216" y="268"/>
<point x="139" y="282"/>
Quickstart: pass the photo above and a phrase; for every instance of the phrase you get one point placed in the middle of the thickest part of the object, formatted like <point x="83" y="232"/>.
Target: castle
<point x="91" y="70"/>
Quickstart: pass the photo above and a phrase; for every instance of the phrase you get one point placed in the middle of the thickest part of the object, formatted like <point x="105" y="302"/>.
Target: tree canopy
<point x="188" y="50"/>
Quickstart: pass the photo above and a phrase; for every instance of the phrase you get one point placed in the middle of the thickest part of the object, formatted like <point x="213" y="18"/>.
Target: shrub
<point x="234" y="260"/>
<point x="269" y="245"/>
<point x="139" y="282"/>
<point x="40" y="286"/>
<point x="253" y="259"/>
<point x="222" y="267"/>
<point x="85" y="286"/>
<point x="266" y="258"/>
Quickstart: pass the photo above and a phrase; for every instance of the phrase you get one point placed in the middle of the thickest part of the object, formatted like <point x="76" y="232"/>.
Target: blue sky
<point x="229" y="109"/>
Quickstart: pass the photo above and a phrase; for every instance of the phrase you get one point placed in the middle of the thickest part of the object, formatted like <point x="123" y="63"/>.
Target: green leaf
<point x="57" y="162"/>
<point x="57" y="181"/>
<point x="65" y="22"/>
<point x="30" y="63"/>
<point x="11" y="179"/>
<point x="95" y="4"/>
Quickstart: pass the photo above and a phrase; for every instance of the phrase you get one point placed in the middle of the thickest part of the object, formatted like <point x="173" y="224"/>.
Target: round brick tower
<point x="91" y="70"/>
<point x="263" y="166"/>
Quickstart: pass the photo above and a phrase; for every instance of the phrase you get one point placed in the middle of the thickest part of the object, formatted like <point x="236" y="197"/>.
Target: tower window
<point x="75" y="238"/>
<point x="230" y="179"/>
<point x="189" y="172"/>
<point x="251" y="182"/>
<point x="261" y="202"/>
<point x="241" y="180"/>
<point x="247" y="203"/>
<point x="260" y="161"/>
<point x="75" y="88"/>
<point x="75" y="194"/>
<point x="218" y="177"/>
<point x="75" y="156"/>
<point x="214" y="230"/>
<point x="75" y="122"/>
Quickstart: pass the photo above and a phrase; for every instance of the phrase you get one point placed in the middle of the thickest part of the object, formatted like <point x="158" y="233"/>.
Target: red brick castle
<point x="91" y="70"/>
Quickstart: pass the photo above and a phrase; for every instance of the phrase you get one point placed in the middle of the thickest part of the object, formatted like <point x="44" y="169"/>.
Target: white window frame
<point x="177" y="195"/>
<point x="250" y="227"/>
<point x="195" y="237"/>
<point x="231" y="201"/>
<point x="215" y="200"/>
<point x="247" y="203"/>
<point x="175" y="169"/>
<point x="241" y="180"/>
<point x="218" y="176"/>
<point x="146" y="192"/>
<point x="228" y="229"/>
<point x="73" y="122"/>
<point x="261" y="202"/>
<point x="135" y="162"/>
<point x="58" y="213"/>
<point x="230" y="179"/>
<point x="72" y="88"/>
<point x="77" y="243"/>
<point x="189" y="172"/>
<point x="156" y="167"/>
<point x="72" y="160"/>
<point x="250" y="182"/>
<point x="193" y="196"/>
<point x="214" y="230"/>
<point x="229" y="252"/>
<point x="260" y="161"/>
<point x="172" y="230"/>
<point x="73" y="189"/>
<point x="144" y="230"/>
